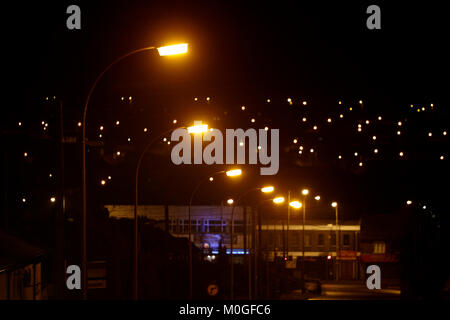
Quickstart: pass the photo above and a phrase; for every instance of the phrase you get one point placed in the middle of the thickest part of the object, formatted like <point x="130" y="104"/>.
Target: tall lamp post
<point x="163" y="51"/>
<point x="193" y="129"/>
<point x="335" y="206"/>
<point x="229" y="173"/>
<point x="305" y="192"/>
<point x="267" y="189"/>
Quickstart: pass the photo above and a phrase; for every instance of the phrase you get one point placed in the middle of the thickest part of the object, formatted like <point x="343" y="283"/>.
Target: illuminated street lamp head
<point x="52" y="199"/>
<point x="409" y="202"/>
<point x="172" y="50"/>
<point x="334" y="204"/>
<point x="198" y="127"/>
<point x="230" y="201"/>
<point x="267" y="189"/>
<point x="295" y="204"/>
<point x="317" y="198"/>
<point x="305" y="192"/>
<point x="234" y="172"/>
<point x="278" y="200"/>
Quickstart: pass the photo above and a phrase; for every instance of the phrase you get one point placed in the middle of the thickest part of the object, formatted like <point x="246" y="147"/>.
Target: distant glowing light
<point x="339" y="157"/>
<point x="102" y="182"/>
<point x="375" y="151"/>
<point x="198" y="128"/>
<point x="289" y="100"/>
<point x="305" y="192"/>
<point x="101" y="128"/>
<point x="374" y="138"/>
<point x="100" y="135"/>
<point x="130" y="98"/>
<point x="317" y="198"/>
<point x="109" y="178"/>
<point x="52" y="199"/>
<point x="164" y="139"/>
<point x="243" y="108"/>
<point x="444" y="133"/>
<point x="208" y="98"/>
<point x="20" y="123"/>
<point x="304" y="119"/>
<point x="295" y="204"/>
<point x="408" y="202"/>
<point x="118" y="153"/>
<point x="25" y="154"/>
<point x="174" y="121"/>
<point x="268" y="100"/>
<point x="401" y="154"/>
<point x="304" y="103"/>
<point x="339" y="102"/>
<point x="122" y="98"/>
<point x="423" y="108"/>
<point x="234" y="172"/>
<point x="266" y="128"/>
<point x="195" y="99"/>
<point x="360" y="164"/>
<point x="315" y="127"/>
<point x="430" y="134"/>
<point x="24" y="200"/>
<point x="442" y="157"/>
<point x="300" y="152"/>
<point x="253" y="120"/>
<point x="367" y="121"/>
<point x="211" y="178"/>
<point x="301" y="147"/>
<point x="350" y="108"/>
<point x="79" y="124"/>
<point x="360" y="102"/>
<point x="356" y="154"/>
<point x="399" y="133"/>
<point x="145" y="129"/>
<point x="295" y="141"/>
<point x="341" y="116"/>
<point x="399" y="123"/>
<point x="117" y="122"/>
<point x="259" y="147"/>
<point x="230" y="201"/>
<point x="329" y="120"/>
<point x="278" y="200"/>
<point x="380" y="118"/>
<point x="129" y="139"/>
<point x="334" y="204"/>
<point x="241" y="144"/>
<point x="268" y="189"/>
<point x="311" y="150"/>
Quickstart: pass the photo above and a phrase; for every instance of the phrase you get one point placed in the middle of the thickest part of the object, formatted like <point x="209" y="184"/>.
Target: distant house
<point x="20" y="270"/>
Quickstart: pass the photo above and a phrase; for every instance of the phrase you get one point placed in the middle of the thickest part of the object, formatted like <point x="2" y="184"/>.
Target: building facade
<point x="271" y="239"/>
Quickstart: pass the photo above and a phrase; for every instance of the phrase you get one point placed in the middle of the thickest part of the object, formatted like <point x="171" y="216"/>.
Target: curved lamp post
<point x="196" y="129"/>
<point x="229" y="173"/>
<point x="267" y="189"/>
<point x="163" y="51"/>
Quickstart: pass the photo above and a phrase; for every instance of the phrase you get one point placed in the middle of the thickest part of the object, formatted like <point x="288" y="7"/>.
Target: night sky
<point x="239" y="55"/>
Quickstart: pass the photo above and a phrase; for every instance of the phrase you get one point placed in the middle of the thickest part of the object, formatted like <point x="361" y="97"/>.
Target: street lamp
<point x="229" y="173"/>
<point x="267" y="189"/>
<point x="305" y="192"/>
<point x="162" y="52"/>
<point x="335" y="206"/>
<point x="136" y="186"/>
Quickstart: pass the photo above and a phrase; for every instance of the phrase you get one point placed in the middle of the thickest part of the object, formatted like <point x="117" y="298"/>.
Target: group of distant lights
<point x="103" y="182"/>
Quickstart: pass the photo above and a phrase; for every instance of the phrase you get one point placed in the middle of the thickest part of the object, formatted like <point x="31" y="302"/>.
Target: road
<point x="355" y="291"/>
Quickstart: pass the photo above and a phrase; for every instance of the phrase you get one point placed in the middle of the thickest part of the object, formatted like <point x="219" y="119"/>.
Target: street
<point x="355" y="291"/>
